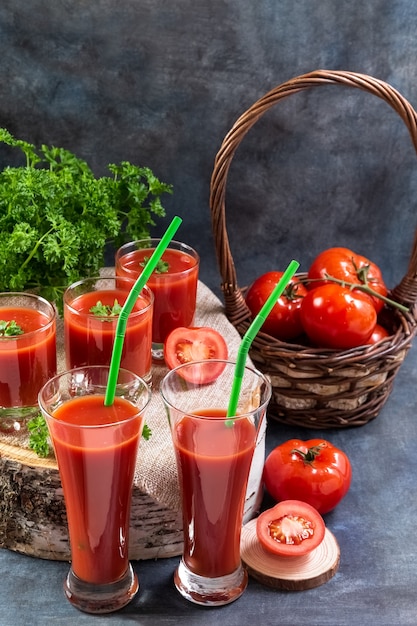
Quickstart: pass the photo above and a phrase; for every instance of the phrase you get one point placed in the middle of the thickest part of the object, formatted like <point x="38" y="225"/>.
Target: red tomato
<point x="379" y="334"/>
<point x="335" y="317"/>
<point x="283" y="322"/>
<point x="184" y="345"/>
<point x="290" y="528"/>
<point x="314" y="471"/>
<point x="346" y="265"/>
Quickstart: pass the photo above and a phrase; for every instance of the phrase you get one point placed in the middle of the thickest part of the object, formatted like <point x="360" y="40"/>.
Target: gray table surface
<point x="375" y="526"/>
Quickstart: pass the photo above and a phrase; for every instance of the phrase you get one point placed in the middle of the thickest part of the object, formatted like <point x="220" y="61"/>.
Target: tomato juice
<point x="175" y="290"/>
<point x="213" y="460"/>
<point x="89" y="338"/>
<point x="96" y="448"/>
<point x="28" y="360"/>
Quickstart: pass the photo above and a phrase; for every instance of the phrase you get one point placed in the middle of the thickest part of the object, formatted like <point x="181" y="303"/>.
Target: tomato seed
<point x="290" y="529"/>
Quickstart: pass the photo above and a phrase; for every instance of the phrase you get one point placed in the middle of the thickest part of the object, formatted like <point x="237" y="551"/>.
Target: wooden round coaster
<point x="291" y="573"/>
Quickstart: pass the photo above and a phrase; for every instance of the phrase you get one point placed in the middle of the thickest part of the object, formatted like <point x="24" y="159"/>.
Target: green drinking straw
<point x="128" y="306"/>
<point x="251" y="333"/>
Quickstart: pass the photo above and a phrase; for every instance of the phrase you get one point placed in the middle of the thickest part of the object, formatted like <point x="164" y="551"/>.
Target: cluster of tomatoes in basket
<point x="336" y="305"/>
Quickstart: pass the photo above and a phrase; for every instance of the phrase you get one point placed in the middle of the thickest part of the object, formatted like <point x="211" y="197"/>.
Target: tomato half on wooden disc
<point x="290" y="528"/>
<point x="202" y="343"/>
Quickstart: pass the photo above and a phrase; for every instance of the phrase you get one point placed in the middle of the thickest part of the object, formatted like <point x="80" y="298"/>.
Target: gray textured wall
<point x="160" y="83"/>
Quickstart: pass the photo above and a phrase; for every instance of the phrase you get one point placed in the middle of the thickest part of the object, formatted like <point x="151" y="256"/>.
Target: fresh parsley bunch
<point x="56" y="217"/>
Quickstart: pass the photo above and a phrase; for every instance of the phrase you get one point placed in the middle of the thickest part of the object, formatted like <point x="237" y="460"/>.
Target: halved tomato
<point x="290" y="528"/>
<point x="202" y="343"/>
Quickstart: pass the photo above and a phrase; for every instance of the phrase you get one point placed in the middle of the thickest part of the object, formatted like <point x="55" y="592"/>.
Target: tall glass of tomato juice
<point x="173" y="283"/>
<point x="96" y="448"/>
<point x="213" y="455"/>
<point x="91" y="310"/>
<point x="27" y="355"/>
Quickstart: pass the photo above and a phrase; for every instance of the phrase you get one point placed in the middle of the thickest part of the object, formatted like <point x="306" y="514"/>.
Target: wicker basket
<point x="317" y="388"/>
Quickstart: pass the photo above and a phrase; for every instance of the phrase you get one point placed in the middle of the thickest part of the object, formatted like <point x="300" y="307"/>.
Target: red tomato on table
<point x="290" y="528"/>
<point x="283" y="322"/>
<point x="336" y="317"/>
<point x="313" y="471"/>
<point x="184" y="345"/>
<point x="344" y="264"/>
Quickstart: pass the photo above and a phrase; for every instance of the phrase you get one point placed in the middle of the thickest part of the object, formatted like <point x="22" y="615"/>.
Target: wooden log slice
<point x="291" y="573"/>
<point x="32" y="508"/>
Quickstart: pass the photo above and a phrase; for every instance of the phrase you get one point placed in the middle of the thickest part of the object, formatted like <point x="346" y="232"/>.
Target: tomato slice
<point x="290" y="528"/>
<point x="202" y="343"/>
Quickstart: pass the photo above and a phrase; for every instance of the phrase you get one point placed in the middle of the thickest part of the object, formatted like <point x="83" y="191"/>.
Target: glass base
<point x="14" y="419"/>
<point x="94" y="598"/>
<point x="210" y="591"/>
<point x="158" y="351"/>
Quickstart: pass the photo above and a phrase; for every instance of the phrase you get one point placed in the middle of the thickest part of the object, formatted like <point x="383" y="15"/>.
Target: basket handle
<point x="406" y="291"/>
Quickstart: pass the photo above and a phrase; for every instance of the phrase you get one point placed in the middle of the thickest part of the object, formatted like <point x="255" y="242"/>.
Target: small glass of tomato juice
<point x="27" y="355"/>
<point x="214" y="456"/>
<point x="96" y="448"/>
<point x="173" y="283"/>
<point x="91" y="311"/>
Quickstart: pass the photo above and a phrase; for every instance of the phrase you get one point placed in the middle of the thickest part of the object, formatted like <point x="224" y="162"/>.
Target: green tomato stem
<point x="361" y="287"/>
<point x="309" y="456"/>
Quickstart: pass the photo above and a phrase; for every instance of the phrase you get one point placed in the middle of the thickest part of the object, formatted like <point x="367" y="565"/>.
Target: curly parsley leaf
<point x="162" y="266"/>
<point x="10" y="328"/>
<point x="146" y="432"/>
<point x="39" y="436"/>
<point x="105" y="310"/>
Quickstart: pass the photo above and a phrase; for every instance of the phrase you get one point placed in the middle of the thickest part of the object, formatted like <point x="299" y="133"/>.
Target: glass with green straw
<point x="96" y="449"/>
<point x="215" y="447"/>
<point x="128" y="306"/>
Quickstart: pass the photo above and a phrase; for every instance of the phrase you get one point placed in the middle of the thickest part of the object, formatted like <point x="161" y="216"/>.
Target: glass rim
<point x="249" y="368"/>
<point x="54" y="379"/>
<point x="114" y="277"/>
<point x="33" y="296"/>
<point x="156" y="240"/>
<point x="152" y="242"/>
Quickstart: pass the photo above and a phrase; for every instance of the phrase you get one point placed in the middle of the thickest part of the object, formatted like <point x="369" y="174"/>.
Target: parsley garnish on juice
<point x="162" y="267"/>
<point x="106" y="310"/>
<point x="10" y="329"/>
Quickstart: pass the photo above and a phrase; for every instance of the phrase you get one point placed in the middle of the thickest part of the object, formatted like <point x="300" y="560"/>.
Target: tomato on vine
<point x="283" y="322"/>
<point x="336" y="317"/>
<point x="345" y="265"/>
<point x="314" y="471"/>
